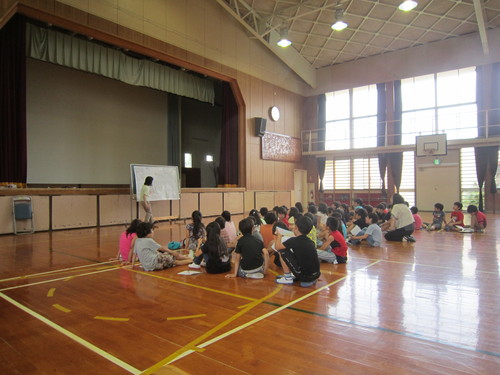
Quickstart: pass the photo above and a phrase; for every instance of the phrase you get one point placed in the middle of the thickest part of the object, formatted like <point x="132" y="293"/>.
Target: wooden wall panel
<point x="283" y="198"/>
<point x="211" y="204"/>
<point x="265" y="199"/>
<point x="5" y="214"/>
<point x="189" y="203"/>
<point x="74" y="211"/>
<point x="234" y="202"/>
<point x="176" y="208"/>
<point x="115" y="209"/>
<point x="41" y="212"/>
<point x="249" y="202"/>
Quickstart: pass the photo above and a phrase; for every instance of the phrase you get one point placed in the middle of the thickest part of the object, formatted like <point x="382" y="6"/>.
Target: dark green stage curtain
<point x="13" y="145"/>
<point x="381" y="128"/>
<point x="173" y="139"/>
<point x="321" y="122"/>
<point x="228" y="164"/>
<point x="321" y="172"/>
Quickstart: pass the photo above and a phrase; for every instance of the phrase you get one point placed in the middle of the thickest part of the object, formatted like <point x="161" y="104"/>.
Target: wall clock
<point x="274" y="113"/>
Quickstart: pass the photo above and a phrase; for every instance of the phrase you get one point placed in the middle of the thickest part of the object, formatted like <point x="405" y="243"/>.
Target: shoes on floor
<point x="285" y="280"/>
<point x="194" y="266"/>
<point x="256" y="275"/>
<point x="411" y="239"/>
<point x="203" y="263"/>
<point x="281" y="276"/>
<point x="307" y="284"/>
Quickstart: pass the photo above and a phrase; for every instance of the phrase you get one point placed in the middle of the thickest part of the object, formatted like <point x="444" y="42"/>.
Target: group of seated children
<point x="298" y="241"/>
<point x="456" y="223"/>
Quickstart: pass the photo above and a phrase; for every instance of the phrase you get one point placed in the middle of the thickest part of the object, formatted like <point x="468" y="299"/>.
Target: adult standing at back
<point x="400" y="226"/>
<point x="144" y="198"/>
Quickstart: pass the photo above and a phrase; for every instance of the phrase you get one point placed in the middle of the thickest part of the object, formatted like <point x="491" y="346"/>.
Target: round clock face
<point x="275" y="113"/>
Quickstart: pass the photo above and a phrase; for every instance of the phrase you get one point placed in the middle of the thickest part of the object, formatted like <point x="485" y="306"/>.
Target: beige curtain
<point x="66" y="50"/>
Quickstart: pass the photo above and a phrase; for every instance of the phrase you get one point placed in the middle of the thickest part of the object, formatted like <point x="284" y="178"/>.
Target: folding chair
<point x="22" y="209"/>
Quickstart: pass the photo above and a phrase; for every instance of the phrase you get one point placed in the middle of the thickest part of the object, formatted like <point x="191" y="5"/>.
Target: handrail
<point x="311" y="142"/>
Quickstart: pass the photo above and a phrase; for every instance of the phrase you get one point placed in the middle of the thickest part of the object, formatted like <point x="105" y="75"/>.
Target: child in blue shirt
<point x="372" y="234"/>
<point x="437" y="217"/>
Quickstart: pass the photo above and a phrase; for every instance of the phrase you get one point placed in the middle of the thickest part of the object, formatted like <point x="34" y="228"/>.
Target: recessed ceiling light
<point x="407" y="5"/>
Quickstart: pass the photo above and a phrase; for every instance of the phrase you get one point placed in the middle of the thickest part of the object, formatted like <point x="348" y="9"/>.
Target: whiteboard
<point x="165" y="181"/>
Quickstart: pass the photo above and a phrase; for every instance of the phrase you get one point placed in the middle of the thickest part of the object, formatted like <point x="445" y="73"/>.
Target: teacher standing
<point x="400" y="226"/>
<point x="144" y="198"/>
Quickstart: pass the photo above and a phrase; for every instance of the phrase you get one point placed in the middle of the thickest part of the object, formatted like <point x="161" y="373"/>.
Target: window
<point x="351" y="118"/>
<point x="469" y="189"/>
<point x="407" y="188"/>
<point x="188" y="160"/>
<point x="365" y="174"/>
<point x="442" y="102"/>
<point x="342" y="174"/>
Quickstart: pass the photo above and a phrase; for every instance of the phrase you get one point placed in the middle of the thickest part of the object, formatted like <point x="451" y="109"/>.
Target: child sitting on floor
<point x="418" y="219"/>
<point x="456" y="222"/>
<point x="372" y="234"/>
<point x="334" y="249"/>
<point x="214" y="251"/>
<point x="127" y="241"/>
<point x="298" y="255"/>
<point x="477" y="219"/>
<point x="437" y="218"/>
<point x="250" y="257"/>
<point x="151" y="254"/>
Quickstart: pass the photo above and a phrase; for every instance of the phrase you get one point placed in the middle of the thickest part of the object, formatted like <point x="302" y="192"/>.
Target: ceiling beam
<point x="479" y="10"/>
<point x="290" y="56"/>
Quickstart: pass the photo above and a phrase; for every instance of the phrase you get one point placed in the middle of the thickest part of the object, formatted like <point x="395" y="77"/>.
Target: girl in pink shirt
<point x="127" y="240"/>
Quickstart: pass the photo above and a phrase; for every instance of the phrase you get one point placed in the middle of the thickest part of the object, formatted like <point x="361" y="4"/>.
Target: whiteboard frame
<point x="158" y="176"/>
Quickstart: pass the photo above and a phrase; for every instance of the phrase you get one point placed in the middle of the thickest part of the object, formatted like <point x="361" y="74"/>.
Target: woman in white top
<point x="400" y="226"/>
<point x="144" y="198"/>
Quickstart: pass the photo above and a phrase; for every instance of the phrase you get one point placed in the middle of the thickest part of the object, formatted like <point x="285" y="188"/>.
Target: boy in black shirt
<point x="251" y="259"/>
<point x="298" y="256"/>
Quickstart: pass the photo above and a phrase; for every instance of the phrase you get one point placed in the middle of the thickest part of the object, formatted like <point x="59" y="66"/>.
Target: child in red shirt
<point x="456" y="218"/>
<point x="478" y="219"/>
<point x="334" y="249"/>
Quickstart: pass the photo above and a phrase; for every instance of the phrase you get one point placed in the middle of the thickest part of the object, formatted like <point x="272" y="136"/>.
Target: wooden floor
<point x="430" y="307"/>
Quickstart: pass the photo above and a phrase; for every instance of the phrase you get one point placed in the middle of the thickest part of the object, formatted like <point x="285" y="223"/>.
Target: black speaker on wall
<point x="260" y="126"/>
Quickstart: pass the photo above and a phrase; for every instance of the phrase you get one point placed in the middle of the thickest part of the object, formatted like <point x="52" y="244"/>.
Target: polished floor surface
<point x="430" y="307"/>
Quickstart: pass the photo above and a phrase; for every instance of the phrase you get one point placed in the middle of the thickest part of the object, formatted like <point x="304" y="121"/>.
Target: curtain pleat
<point x="66" y="50"/>
<point x="381" y="130"/>
<point x="13" y="146"/>
<point x="321" y="122"/>
<point x="228" y="164"/>
<point x="321" y="162"/>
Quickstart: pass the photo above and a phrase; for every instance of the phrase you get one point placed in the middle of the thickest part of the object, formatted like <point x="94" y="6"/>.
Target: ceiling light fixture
<point x="407" y="5"/>
<point x="284" y="41"/>
<point x="339" y="22"/>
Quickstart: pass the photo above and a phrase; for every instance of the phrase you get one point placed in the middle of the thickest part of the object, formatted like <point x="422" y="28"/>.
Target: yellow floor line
<point x="33" y="275"/>
<point x="58" y="279"/>
<point x="192" y="285"/>
<point x="193" y="345"/>
<point x="72" y="336"/>
<point x="186" y="317"/>
<point x="112" y="319"/>
<point x="61" y="308"/>
<point x="262" y="317"/>
<point x="51" y="292"/>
